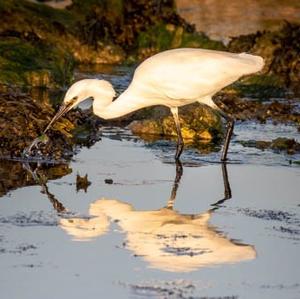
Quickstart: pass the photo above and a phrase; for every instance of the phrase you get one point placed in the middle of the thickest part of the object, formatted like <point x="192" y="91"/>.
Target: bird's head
<point x="100" y="91"/>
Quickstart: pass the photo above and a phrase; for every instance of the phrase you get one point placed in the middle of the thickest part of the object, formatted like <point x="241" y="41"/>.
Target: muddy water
<point x="145" y="228"/>
<point x="222" y="19"/>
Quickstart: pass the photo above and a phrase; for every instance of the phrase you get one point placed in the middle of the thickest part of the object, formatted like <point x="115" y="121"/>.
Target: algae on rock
<point x="198" y="124"/>
<point x="281" y="51"/>
<point x="26" y="63"/>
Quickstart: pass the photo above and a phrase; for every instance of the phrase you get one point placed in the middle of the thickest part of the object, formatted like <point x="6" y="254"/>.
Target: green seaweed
<point x="157" y="37"/>
<point x="23" y="62"/>
<point x="200" y="40"/>
<point x="260" y="86"/>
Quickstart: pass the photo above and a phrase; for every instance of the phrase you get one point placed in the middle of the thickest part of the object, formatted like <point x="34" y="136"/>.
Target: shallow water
<point x="118" y="240"/>
<point x="143" y="229"/>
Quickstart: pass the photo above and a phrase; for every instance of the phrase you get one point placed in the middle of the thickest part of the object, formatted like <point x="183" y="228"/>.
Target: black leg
<point x="179" y="172"/>
<point x="180" y="143"/>
<point x="230" y="126"/>
<point x="227" y="189"/>
<point x="229" y="131"/>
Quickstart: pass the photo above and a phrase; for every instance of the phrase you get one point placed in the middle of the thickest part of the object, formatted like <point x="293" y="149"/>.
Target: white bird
<point x="171" y="78"/>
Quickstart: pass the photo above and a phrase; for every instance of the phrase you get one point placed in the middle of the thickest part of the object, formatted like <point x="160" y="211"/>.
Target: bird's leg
<point x="227" y="189"/>
<point x="179" y="172"/>
<point x="42" y="181"/>
<point x="180" y="143"/>
<point x="229" y="131"/>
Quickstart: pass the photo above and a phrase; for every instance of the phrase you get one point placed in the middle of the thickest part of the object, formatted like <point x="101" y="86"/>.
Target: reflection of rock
<point x="13" y="175"/>
<point x="82" y="182"/>
<point x="164" y="238"/>
<point x="198" y="123"/>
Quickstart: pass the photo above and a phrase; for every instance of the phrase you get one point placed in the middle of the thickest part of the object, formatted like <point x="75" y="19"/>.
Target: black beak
<point x="64" y="108"/>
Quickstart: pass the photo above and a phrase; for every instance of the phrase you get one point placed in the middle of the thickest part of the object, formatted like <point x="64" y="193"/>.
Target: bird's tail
<point x="254" y="63"/>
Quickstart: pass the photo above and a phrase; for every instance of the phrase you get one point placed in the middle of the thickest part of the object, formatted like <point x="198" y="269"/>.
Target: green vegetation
<point x="40" y="45"/>
<point x="162" y="37"/>
<point x="260" y="86"/>
<point x="25" y="63"/>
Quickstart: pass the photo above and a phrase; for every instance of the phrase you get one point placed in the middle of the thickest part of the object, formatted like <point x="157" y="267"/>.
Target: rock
<point x="290" y="146"/>
<point x="198" y="123"/>
<point x="244" y="109"/>
<point x="161" y="37"/>
<point x="280" y="50"/>
<point x="285" y="144"/>
<point x="27" y="63"/>
<point x="40" y="45"/>
<point x="22" y="120"/>
<point x="108" y="181"/>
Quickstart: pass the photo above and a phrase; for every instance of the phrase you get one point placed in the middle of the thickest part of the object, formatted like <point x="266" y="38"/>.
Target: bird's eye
<point x="74" y="99"/>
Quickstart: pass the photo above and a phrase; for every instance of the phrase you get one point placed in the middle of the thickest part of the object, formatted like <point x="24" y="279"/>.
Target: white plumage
<point x="172" y="78"/>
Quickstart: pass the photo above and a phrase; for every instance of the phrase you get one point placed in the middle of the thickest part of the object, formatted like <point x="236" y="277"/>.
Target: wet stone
<point x="290" y="146"/>
<point x="198" y="123"/>
<point x="108" y="181"/>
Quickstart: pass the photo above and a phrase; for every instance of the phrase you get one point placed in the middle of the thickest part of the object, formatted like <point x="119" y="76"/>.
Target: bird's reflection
<point x="41" y="180"/>
<point x="164" y="238"/>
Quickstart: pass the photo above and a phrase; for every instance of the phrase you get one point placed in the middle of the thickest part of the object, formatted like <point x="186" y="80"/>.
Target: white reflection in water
<point x="164" y="238"/>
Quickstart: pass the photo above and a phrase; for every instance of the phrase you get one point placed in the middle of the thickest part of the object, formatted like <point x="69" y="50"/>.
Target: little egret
<point x="171" y="78"/>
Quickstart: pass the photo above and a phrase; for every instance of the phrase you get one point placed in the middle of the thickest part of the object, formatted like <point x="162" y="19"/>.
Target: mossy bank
<point x="41" y="45"/>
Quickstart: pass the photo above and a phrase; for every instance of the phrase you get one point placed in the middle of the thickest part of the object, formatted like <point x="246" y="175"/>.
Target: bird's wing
<point x="193" y="73"/>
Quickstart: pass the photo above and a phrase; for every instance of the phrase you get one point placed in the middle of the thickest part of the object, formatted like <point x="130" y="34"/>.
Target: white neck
<point x="126" y="103"/>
